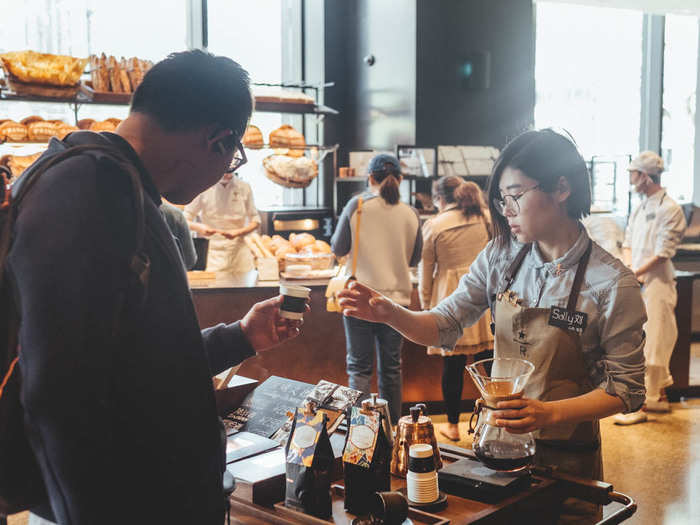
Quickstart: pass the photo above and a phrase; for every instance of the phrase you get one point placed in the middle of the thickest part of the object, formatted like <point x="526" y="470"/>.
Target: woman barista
<point x="541" y="257"/>
<point x="227" y="213"/>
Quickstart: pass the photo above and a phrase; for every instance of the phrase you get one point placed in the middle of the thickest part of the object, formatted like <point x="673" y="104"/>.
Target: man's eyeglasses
<point x="239" y="158"/>
<point x="510" y="202"/>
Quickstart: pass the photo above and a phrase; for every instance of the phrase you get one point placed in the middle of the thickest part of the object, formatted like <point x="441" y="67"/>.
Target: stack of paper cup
<point x="421" y="478"/>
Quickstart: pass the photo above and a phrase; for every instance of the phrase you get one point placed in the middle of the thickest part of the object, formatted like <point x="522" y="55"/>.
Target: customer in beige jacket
<point x="451" y="242"/>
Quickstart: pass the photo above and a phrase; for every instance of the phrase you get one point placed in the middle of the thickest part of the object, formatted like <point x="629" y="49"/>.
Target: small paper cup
<point x="294" y="301"/>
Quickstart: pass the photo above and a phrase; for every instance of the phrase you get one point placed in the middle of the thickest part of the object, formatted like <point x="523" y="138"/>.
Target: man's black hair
<point x="191" y="89"/>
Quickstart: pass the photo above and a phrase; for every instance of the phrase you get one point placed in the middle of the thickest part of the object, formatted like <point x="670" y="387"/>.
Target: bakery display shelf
<point x="24" y="143"/>
<point x="299" y="108"/>
<point x="306" y="147"/>
<point x="78" y="99"/>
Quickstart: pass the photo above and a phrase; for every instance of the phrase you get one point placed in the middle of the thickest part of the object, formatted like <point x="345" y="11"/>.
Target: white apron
<point x="560" y="373"/>
<point x="226" y="208"/>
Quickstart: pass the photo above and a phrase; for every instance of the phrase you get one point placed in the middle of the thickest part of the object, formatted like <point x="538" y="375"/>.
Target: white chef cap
<point x="647" y="162"/>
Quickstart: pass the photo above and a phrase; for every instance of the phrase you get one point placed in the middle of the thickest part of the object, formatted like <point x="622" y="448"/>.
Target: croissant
<point x="43" y="68"/>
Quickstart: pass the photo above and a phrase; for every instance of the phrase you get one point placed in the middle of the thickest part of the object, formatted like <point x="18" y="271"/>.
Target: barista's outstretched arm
<point x="364" y="303"/>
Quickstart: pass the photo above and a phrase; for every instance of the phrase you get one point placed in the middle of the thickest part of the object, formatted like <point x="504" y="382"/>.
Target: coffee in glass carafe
<point x="494" y="446"/>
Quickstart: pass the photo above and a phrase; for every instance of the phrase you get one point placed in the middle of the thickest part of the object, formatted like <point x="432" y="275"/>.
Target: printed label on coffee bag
<point x="362" y="437"/>
<point x="303" y="443"/>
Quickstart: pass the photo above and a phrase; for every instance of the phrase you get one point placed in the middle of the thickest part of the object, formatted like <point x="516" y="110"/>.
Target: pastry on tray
<point x="290" y="172"/>
<point x="43" y="68"/>
<point x="253" y="137"/>
<point x="85" y="123"/>
<point x="104" y="125"/>
<point x="11" y="131"/>
<point x="288" y="141"/>
<point x="18" y="163"/>
<point x="41" y="130"/>
<point x="64" y="129"/>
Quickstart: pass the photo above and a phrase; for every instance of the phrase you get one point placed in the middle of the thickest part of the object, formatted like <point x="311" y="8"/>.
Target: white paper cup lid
<point x="421" y="450"/>
<point x="294" y="290"/>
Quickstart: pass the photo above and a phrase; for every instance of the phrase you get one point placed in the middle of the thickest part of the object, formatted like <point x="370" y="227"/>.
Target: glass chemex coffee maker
<point x="494" y="446"/>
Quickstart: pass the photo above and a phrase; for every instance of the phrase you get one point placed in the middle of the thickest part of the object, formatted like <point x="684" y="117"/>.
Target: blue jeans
<point x="362" y="338"/>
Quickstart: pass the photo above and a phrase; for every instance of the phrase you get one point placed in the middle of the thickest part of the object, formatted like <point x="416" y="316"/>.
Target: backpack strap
<point x="139" y="262"/>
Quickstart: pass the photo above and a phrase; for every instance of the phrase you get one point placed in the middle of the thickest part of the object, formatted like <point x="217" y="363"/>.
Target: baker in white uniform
<point x="226" y="213"/>
<point x="655" y="228"/>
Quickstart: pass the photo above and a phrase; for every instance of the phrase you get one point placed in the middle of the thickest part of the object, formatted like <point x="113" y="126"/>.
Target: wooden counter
<point x="319" y="352"/>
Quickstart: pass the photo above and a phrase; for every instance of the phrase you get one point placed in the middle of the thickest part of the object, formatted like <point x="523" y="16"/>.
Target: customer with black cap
<point x="388" y="242"/>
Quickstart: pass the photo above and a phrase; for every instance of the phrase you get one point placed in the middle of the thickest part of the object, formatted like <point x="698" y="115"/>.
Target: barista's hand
<point x="264" y="327"/>
<point x="358" y="300"/>
<point x="519" y="416"/>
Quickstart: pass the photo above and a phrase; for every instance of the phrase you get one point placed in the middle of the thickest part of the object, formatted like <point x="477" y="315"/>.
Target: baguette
<point x="253" y="247"/>
<point x="124" y="77"/>
<point x="258" y="242"/>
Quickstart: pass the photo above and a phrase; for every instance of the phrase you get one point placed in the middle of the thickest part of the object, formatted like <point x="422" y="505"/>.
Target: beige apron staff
<point x="560" y="373"/>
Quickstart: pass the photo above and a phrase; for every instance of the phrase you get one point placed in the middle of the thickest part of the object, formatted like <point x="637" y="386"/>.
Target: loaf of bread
<point x="290" y="172"/>
<point x="85" y="123"/>
<point x="28" y="120"/>
<point x="104" y="125"/>
<point x="64" y="129"/>
<point x="301" y="240"/>
<point x="11" y="131"/>
<point x="253" y="137"/>
<point x="41" y="130"/>
<point x="316" y="247"/>
<point x="288" y="141"/>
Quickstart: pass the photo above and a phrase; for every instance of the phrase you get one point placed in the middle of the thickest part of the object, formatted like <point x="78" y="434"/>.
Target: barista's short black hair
<point x="544" y="156"/>
<point x="194" y="88"/>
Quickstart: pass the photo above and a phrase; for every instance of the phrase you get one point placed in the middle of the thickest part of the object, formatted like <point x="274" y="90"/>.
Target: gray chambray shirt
<point x="613" y="341"/>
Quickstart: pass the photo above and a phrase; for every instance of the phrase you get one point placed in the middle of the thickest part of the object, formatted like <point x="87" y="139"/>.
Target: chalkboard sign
<point x="264" y="410"/>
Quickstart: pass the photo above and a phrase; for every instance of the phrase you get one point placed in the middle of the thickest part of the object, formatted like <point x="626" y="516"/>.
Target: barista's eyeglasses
<point x="510" y="202"/>
<point x="239" y="158"/>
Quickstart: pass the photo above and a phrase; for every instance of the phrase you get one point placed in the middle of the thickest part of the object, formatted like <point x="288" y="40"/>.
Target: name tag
<point x="563" y="318"/>
<point x="651" y="216"/>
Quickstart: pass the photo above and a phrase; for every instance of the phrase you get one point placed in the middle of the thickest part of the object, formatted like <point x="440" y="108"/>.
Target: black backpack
<point x="21" y="484"/>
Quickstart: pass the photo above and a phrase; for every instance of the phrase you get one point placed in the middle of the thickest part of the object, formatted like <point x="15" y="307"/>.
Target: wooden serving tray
<point x="103" y="96"/>
<point x="340" y="516"/>
<point x="22" y="89"/>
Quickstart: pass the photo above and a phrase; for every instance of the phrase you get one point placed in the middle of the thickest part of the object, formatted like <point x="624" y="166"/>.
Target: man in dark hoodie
<point x="124" y="427"/>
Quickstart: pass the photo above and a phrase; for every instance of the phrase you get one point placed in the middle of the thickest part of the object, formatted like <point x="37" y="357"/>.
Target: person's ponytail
<point x="389" y="189"/>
